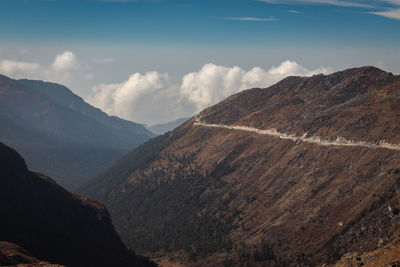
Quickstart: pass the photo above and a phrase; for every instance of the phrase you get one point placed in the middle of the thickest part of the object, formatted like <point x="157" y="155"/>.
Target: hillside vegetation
<point x="224" y="196"/>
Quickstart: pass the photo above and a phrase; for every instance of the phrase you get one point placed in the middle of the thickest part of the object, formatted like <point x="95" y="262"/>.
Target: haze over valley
<point x="199" y="133"/>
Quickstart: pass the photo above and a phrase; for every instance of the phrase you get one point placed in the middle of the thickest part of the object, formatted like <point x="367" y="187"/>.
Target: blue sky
<point x="96" y="47"/>
<point x="199" y="22"/>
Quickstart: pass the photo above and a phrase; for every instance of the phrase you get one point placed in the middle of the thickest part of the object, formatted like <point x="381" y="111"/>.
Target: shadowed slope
<point x="54" y="224"/>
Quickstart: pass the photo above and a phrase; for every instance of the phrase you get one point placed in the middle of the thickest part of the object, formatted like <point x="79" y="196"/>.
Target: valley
<point x="182" y="133"/>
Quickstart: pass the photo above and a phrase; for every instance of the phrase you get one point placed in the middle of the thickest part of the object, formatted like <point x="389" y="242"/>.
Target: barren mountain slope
<point x="225" y="195"/>
<point x="388" y="255"/>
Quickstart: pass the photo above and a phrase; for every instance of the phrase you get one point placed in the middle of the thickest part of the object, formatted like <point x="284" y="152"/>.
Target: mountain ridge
<point x="233" y="197"/>
<point x="58" y="133"/>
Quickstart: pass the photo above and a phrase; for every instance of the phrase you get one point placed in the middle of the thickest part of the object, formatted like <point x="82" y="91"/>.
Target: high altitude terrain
<point x="299" y="173"/>
<point x="61" y="135"/>
<point x="42" y="221"/>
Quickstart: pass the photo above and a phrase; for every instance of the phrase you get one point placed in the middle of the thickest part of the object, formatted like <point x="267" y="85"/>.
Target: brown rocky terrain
<point x="388" y="255"/>
<point x="14" y="255"/>
<point x="53" y="224"/>
<point x="203" y="195"/>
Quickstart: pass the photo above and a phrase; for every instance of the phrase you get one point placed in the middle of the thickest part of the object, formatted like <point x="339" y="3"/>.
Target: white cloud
<point x="213" y="83"/>
<point x="10" y="67"/>
<point x="391" y="7"/>
<point x="391" y="13"/>
<point x="137" y="98"/>
<point x="288" y="68"/>
<point x="153" y="98"/>
<point x="65" y="61"/>
<point x="64" y="69"/>
<point x="340" y="3"/>
<point x="324" y="2"/>
<point x="210" y="84"/>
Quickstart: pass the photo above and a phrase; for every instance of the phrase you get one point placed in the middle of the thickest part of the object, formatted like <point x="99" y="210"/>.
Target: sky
<point x="153" y="61"/>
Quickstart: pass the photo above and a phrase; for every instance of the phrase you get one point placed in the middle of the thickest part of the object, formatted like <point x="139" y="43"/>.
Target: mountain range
<point x="297" y="174"/>
<point x="61" y="135"/>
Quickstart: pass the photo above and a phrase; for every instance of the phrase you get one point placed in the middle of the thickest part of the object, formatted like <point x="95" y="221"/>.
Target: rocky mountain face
<point x="296" y="174"/>
<point x="61" y="135"/>
<point x="388" y="255"/>
<point x="53" y="224"/>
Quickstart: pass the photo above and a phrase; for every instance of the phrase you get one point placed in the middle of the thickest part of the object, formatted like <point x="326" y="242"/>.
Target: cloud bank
<point x="65" y="68"/>
<point x="132" y="99"/>
<point x="59" y="71"/>
<point x="11" y="67"/>
<point x="152" y="98"/>
<point x="344" y="3"/>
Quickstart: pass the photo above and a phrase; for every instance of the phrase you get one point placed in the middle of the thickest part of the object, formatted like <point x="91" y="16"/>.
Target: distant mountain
<point x="297" y="174"/>
<point x="165" y="127"/>
<point x="53" y="224"/>
<point x="60" y="134"/>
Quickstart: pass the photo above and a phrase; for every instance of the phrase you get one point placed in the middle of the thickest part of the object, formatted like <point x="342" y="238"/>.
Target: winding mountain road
<point x="340" y="141"/>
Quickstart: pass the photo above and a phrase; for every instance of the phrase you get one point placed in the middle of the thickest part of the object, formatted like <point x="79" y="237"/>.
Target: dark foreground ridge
<point x="53" y="224"/>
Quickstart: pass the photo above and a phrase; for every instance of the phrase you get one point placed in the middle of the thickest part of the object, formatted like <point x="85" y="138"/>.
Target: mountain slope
<point x="14" y="255"/>
<point x="312" y="179"/>
<point x="54" y="224"/>
<point x="388" y="255"/>
<point x="67" y="116"/>
<point x="60" y="134"/>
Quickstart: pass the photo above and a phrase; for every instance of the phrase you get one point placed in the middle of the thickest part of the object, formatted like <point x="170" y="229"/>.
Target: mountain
<point x="60" y="134"/>
<point x="165" y="127"/>
<point x="53" y="224"/>
<point x="297" y="174"/>
<point x="13" y="255"/>
<point x="388" y="255"/>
